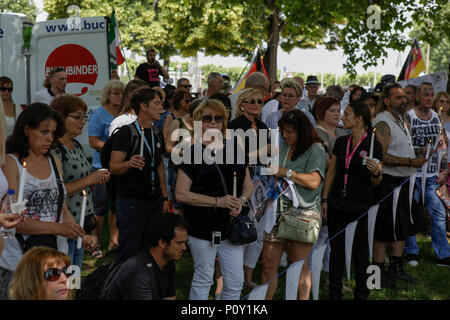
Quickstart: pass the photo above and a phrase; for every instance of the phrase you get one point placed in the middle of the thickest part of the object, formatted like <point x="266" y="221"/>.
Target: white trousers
<point x="252" y="252"/>
<point x="230" y="262"/>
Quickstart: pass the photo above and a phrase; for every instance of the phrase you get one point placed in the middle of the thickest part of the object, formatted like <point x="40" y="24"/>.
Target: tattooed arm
<point x="383" y="134"/>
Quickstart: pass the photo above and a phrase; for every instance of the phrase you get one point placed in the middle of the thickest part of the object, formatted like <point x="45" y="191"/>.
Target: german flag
<point x="414" y="63"/>
<point x="257" y="65"/>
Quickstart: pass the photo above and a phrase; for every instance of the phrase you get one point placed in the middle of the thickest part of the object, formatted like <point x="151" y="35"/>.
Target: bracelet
<point x="377" y="175"/>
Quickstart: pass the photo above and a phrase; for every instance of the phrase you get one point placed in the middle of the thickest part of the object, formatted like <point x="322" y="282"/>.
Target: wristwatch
<point x="289" y="174"/>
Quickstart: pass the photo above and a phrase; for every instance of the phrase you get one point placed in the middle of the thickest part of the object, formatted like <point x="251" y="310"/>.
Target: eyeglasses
<point x="186" y="86"/>
<point x="208" y="119"/>
<point x="290" y="96"/>
<point x="79" y="118"/>
<point x="6" y="89"/>
<point x="53" y="274"/>
<point x="253" y="101"/>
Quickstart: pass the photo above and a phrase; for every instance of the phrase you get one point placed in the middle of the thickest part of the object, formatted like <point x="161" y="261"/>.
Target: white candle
<point x="428" y="150"/>
<point x="234" y="185"/>
<point x="371" y="144"/>
<point x="22" y="182"/>
<point x="83" y="214"/>
<point x="440" y="110"/>
<point x="141" y="152"/>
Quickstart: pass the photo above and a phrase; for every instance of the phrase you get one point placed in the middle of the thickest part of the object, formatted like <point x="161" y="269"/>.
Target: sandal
<point x="97" y="253"/>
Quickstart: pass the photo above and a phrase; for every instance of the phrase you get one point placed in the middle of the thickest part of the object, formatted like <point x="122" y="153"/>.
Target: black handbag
<point x="45" y="240"/>
<point x="240" y="229"/>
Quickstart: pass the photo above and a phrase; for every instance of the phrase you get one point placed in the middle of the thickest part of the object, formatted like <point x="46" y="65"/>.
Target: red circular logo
<point x="80" y="65"/>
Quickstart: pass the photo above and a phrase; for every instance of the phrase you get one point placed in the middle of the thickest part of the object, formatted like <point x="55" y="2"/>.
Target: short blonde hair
<point x="27" y="282"/>
<point x="291" y="83"/>
<point x="437" y="97"/>
<point x="217" y="107"/>
<point x="161" y="92"/>
<point x="244" y="95"/>
<point x="110" y="86"/>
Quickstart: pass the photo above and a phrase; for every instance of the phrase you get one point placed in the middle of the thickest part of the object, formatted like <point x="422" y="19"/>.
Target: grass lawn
<point x="433" y="280"/>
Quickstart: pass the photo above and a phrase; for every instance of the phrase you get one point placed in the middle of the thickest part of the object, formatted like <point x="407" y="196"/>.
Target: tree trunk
<point x="274" y="38"/>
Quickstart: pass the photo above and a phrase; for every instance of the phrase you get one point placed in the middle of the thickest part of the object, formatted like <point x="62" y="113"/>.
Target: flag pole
<point x="428" y="58"/>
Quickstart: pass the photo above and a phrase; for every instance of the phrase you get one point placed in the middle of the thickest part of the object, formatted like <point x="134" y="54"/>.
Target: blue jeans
<point x="76" y="255"/>
<point x="133" y="217"/>
<point x="438" y="218"/>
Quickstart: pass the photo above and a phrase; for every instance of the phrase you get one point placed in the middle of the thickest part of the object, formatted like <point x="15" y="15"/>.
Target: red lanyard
<point x="348" y="158"/>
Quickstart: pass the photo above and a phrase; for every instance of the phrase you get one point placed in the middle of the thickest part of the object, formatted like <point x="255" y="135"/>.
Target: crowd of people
<point x="156" y="206"/>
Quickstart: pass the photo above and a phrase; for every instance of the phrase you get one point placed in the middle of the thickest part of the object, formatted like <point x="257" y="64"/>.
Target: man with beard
<point x="411" y="96"/>
<point x="151" y="70"/>
<point x="399" y="161"/>
<point x="425" y="129"/>
<point x="55" y="85"/>
<point x="150" y="275"/>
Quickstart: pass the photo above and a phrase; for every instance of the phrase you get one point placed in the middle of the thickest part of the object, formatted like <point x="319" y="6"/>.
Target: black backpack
<point x="95" y="285"/>
<point x="105" y="154"/>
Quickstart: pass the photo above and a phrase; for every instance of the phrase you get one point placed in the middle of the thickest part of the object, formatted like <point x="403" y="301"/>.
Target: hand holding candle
<point x="371" y="143"/>
<point x="141" y="152"/>
<point x="235" y="185"/>
<point x="83" y="214"/>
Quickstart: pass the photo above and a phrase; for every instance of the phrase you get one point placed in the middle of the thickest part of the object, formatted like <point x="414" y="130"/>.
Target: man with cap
<point x="312" y="86"/>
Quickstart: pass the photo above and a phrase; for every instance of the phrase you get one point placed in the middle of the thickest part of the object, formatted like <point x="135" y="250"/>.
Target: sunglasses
<point x="208" y="119"/>
<point x="6" y="89"/>
<point x="253" y="101"/>
<point x="53" y="274"/>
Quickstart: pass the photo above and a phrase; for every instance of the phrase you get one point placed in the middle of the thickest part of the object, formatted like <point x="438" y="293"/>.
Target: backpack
<point x="105" y="154"/>
<point x="95" y="285"/>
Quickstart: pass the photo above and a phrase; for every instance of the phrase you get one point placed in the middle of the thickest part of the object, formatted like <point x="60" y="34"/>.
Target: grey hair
<point x="290" y="83"/>
<point x="213" y="76"/>
<point x="256" y="79"/>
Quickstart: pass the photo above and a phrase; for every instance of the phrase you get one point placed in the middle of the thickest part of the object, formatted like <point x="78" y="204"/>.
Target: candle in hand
<point x="83" y="214"/>
<point x="371" y="143"/>
<point x="22" y="182"/>
<point x="141" y="152"/>
<point x="234" y="185"/>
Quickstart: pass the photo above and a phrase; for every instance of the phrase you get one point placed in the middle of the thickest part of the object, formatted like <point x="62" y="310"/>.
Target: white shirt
<point x="121" y="121"/>
<point x="268" y="108"/>
<point x="42" y="96"/>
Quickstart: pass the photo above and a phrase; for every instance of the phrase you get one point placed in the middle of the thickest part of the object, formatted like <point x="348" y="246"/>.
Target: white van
<point x="81" y="48"/>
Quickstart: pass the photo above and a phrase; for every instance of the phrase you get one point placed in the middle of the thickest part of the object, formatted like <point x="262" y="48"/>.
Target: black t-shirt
<point x="206" y="180"/>
<point x="149" y="73"/>
<point x="140" y="278"/>
<point x="137" y="183"/>
<point x="359" y="193"/>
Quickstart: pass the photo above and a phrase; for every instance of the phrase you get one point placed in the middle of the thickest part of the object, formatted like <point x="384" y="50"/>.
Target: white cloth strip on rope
<point x="412" y="183"/>
<point x="394" y="208"/>
<point x="371" y="219"/>
<point x="316" y="268"/>
<point x="292" y="279"/>
<point x="349" y="235"/>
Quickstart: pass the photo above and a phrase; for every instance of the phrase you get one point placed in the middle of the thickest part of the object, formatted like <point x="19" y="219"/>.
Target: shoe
<point x="442" y="262"/>
<point x="346" y="289"/>
<point x="396" y="271"/>
<point x="284" y="262"/>
<point x="97" y="253"/>
<point x="385" y="281"/>
<point x="412" y="260"/>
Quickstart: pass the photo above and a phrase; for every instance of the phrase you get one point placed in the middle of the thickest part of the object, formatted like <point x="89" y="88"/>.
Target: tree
<point x="139" y="22"/>
<point x="26" y="7"/>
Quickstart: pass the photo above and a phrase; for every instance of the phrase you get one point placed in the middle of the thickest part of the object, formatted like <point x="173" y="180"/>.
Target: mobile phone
<point x="216" y="238"/>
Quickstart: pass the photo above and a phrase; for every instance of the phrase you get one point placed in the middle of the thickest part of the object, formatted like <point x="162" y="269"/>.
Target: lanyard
<point x="151" y="151"/>
<point x="348" y="158"/>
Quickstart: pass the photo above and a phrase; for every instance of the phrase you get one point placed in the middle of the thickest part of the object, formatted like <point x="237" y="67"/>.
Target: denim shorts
<point x="102" y="201"/>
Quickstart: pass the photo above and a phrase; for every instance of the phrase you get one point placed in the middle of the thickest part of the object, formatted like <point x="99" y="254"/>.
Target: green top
<point x="75" y="167"/>
<point x="311" y="160"/>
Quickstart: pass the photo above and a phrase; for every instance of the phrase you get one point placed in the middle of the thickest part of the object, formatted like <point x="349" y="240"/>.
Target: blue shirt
<point x="99" y="127"/>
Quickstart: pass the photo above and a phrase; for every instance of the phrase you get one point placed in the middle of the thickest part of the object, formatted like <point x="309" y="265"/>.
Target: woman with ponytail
<point x="347" y="196"/>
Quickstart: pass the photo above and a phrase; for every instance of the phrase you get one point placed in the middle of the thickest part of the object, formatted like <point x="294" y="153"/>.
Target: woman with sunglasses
<point x="249" y="105"/>
<point x="6" y="89"/>
<point x="302" y="160"/>
<point x="29" y="146"/>
<point x="77" y="172"/>
<point x="41" y="274"/>
<point x="209" y="204"/>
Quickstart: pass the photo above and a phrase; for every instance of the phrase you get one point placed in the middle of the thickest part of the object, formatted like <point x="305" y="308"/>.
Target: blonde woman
<point x="208" y="207"/>
<point x="41" y="274"/>
<point x="98" y="132"/>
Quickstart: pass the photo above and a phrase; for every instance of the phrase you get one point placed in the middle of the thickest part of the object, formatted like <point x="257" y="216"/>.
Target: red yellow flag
<point x="414" y="63"/>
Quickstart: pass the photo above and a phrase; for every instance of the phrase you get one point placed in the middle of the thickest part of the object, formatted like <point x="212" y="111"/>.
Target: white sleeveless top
<point x="400" y="145"/>
<point x="422" y="131"/>
<point x="42" y="205"/>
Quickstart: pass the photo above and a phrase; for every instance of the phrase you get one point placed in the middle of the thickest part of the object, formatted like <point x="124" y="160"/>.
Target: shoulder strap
<point x="60" y="187"/>
<point x="221" y="178"/>
<point x="61" y="149"/>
